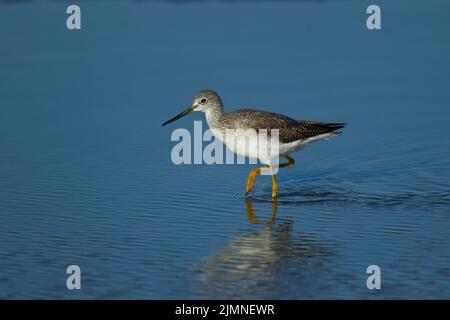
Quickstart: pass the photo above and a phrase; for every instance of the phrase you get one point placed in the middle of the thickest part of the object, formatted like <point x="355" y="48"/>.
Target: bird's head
<point x="204" y="101"/>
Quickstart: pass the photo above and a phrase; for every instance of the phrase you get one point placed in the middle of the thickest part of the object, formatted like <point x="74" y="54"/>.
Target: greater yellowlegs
<point x="293" y="134"/>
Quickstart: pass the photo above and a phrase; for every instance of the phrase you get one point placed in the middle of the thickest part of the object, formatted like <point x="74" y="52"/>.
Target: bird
<point x="292" y="135"/>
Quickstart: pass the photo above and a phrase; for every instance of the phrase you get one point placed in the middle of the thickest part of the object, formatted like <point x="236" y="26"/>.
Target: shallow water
<point x="86" y="176"/>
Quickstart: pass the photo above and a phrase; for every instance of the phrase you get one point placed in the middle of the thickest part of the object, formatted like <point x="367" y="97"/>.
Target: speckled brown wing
<point x="306" y="129"/>
<point x="289" y="129"/>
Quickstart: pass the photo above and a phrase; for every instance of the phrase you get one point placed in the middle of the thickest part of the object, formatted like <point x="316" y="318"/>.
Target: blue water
<point x="86" y="176"/>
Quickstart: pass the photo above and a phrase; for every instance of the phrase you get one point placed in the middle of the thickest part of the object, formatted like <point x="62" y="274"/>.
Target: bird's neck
<point x="213" y="117"/>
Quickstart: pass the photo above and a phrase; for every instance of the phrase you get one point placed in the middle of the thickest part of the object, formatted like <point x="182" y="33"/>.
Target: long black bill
<point x="181" y="115"/>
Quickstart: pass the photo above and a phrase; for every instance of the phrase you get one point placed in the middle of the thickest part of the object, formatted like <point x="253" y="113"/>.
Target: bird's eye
<point x="203" y="100"/>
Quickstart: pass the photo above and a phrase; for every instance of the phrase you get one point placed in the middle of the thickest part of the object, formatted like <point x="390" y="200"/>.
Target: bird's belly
<point x="244" y="146"/>
<point x="265" y="150"/>
<point x="249" y="144"/>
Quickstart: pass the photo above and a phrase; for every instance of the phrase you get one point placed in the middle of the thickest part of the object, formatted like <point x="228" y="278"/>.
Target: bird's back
<point x="289" y="129"/>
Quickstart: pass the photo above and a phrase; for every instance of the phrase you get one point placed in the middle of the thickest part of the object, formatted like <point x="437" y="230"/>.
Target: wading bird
<point x="292" y="134"/>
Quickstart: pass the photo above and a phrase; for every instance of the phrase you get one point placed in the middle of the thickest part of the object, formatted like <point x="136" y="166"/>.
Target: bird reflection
<point x="255" y="263"/>
<point x="252" y="217"/>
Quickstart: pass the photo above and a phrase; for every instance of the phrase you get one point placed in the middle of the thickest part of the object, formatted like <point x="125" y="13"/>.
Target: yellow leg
<point x="255" y="171"/>
<point x="289" y="164"/>
<point x="251" y="177"/>
<point x="274" y="185"/>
